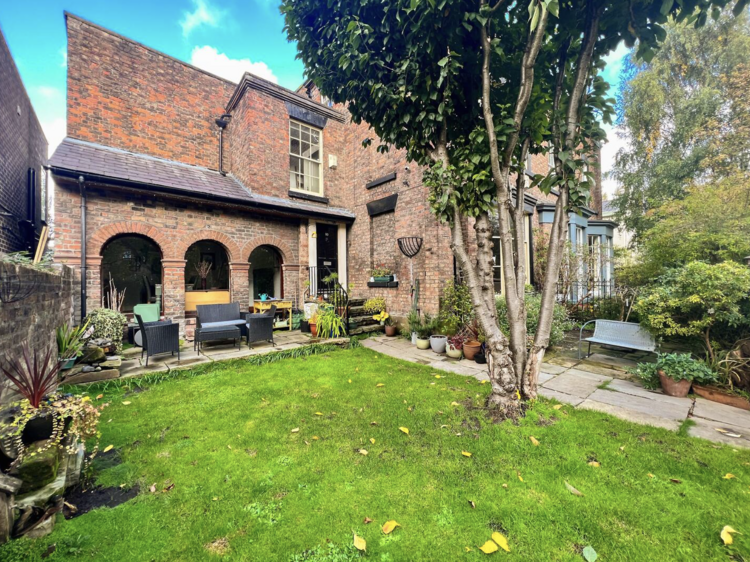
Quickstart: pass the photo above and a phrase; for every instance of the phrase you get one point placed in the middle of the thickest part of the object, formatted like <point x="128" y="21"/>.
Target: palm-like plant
<point x="33" y="378"/>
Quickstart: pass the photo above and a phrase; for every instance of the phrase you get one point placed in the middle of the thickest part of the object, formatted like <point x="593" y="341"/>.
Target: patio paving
<point x="601" y="383"/>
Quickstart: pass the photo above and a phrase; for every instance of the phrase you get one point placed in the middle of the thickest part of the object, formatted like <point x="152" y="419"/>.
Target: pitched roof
<point x="74" y="157"/>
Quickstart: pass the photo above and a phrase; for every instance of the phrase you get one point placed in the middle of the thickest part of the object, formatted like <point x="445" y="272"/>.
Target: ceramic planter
<point x="383" y="279"/>
<point x="390" y="331"/>
<point x="66" y="364"/>
<point x="423" y="343"/>
<point x="672" y="387"/>
<point x="471" y="348"/>
<point x="454" y="352"/>
<point x="414" y="338"/>
<point x="437" y="343"/>
<point x="722" y="397"/>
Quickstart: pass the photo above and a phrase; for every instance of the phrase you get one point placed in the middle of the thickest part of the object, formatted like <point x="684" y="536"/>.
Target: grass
<point x="246" y="487"/>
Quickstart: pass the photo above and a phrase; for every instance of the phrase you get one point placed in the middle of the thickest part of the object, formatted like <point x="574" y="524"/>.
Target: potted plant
<point x="314" y="325"/>
<point x="675" y="373"/>
<point x="414" y="321"/>
<point x="424" y="331"/>
<point x="202" y="269"/>
<point x="328" y="323"/>
<point x="70" y="342"/>
<point x="382" y="274"/>
<point x="454" y="347"/>
<point x="471" y="348"/>
<point x="385" y="320"/>
<point x="374" y="305"/>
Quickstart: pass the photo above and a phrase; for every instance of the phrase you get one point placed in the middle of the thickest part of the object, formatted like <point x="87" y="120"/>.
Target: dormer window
<point x="305" y="157"/>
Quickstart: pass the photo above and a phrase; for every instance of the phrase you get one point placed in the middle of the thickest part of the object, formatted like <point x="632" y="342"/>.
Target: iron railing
<point x="330" y="291"/>
<point x="588" y="300"/>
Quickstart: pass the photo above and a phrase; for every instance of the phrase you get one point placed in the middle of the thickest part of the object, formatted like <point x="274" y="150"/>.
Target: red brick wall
<point x="125" y="95"/>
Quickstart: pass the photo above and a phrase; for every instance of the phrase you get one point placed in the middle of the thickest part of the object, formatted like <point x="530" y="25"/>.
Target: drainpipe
<point x="222" y="122"/>
<point x="82" y="187"/>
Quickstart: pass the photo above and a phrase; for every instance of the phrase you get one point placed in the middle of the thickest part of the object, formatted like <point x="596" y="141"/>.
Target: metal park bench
<point x="627" y="335"/>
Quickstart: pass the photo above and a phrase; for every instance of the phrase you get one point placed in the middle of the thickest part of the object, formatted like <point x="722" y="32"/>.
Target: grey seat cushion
<point x="223" y="323"/>
<point x="214" y="329"/>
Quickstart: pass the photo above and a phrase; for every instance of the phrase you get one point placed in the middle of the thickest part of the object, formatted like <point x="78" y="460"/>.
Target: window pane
<point x="305" y="147"/>
<point x="315" y="153"/>
<point x="294" y="129"/>
<point x="314" y="184"/>
<point x="315" y="137"/>
<point x="294" y="164"/>
<point x="294" y="148"/>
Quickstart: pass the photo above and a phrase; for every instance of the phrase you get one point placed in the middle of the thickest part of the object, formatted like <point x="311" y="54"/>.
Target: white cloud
<point x="49" y="92"/>
<point x="210" y="59"/>
<point x="609" y="151"/>
<point x="204" y="14"/>
<point x="55" y="131"/>
<point x="64" y="54"/>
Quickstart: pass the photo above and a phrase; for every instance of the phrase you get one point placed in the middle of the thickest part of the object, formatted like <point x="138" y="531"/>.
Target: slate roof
<point x="75" y="157"/>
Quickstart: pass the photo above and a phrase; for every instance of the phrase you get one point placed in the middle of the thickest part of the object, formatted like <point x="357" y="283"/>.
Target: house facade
<point x="182" y="188"/>
<point x="23" y="154"/>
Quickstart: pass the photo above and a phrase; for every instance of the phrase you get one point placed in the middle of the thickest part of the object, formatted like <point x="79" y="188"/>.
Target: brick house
<point x="167" y="166"/>
<point x="23" y="153"/>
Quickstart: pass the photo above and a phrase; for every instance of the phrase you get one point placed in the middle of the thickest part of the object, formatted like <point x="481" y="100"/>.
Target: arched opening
<point x="265" y="272"/>
<point x="206" y="274"/>
<point x="133" y="264"/>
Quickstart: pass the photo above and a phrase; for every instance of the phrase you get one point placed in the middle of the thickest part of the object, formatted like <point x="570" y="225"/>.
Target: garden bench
<point x="218" y="321"/>
<point x="628" y="335"/>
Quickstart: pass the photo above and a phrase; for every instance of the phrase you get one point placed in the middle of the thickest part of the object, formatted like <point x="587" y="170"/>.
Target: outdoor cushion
<point x="222" y="328"/>
<point x="223" y="323"/>
<point x="148" y="312"/>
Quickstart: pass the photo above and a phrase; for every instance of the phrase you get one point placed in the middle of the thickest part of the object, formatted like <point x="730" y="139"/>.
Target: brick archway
<point x="104" y="234"/>
<point x="282" y="247"/>
<point x="233" y="250"/>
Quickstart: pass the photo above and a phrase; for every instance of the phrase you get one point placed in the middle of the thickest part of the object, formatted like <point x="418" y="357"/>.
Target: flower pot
<point x="66" y="364"/>
<point x="314" y="330"/>
<point x="37" y="428"/>
<point x="453" y="352"/>
<point x="672" y="387"/>
<point x="423" y="343"/>
<point x="719" y="395"/>
<point x="390" y="331"/>
<point x="304" y="326"/>
<point x="437" y="343"/>
<point x="414" y="338"/>
<point x="383" y="279"/>
<point x="471" y="348"/>
<point x="480" y="358"/>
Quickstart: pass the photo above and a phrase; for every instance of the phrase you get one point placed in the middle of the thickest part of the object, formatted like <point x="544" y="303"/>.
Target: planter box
<point x="383" y="279"/>
<point x="722" y="397"/>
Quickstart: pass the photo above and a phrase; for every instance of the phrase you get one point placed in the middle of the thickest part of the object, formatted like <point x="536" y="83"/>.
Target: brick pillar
<point x="173" y="290"/>
<point x="239" y="284"/>
<point x="292" y="288"/>
<point x="303" y="268"/>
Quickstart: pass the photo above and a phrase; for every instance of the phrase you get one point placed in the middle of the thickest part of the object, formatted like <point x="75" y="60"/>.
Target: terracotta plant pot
<point x="719" y="395"/>
<point x="675" y="388"/>
<point x="453" y="352"/>
<point x="314" y="330"/>
<point x="471" y="348"/>
<point x="390" y="331"/>
<point x="423" y="343"/>
<point x="437" y="343"/>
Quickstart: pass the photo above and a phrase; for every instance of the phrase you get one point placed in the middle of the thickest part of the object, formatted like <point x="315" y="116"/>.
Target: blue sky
<point x="226" y="37"/>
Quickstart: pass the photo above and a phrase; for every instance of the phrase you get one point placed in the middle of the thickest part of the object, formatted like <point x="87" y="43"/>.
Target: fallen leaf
<point x="389" y="526"/>
<point x="573" y="490"/>
<point x="675" y="481"/>
<point x="359" y="543"/>
<point x="215" y="498"/>
<point x="363" y="452"/>
<point x="735" y="435"/>
<point x="721" y="430"/>
<point x="534" y="440"/>
<point x="318" y="413"/>
<point x="168" y="488"/>
<point x="379" y="384"/>
<point x="651" y="475"/>
<point x="367" y="520"/>
<point x="100" y="396"/>
<point x="557" y="406"/>
<point x="501" y="541"/>
<point x="489" y="547"/>
<point x="372" y="440"/>
<point x="126" y="403"/>
<point x="295" y="430"/>
<point x="505" y="485"/>
<point x="726" y="534"/>
<point x="519" y="476"/>
<point x="373" y="423"/>
<point x="467" y="549"/>
<point x="153" y="488"/>
<point x="405" y="430"/>
<point x="350" y="380"/>
<point x="729" y="475"/>
<point x="466" y="453"/>
<point x="315" y="437"/>
<point x="484" y="382"/>
<point x="455" y="404"/>
<point x="589" y="554"/>
<point x="472" y="504"/>
<point x="438" y="376"/>
<point x="594" y="464"/>
<point x="107" y="449"/>
<point x="622" y="448"/>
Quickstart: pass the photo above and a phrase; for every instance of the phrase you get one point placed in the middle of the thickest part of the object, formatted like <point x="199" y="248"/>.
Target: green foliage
<point x="381" y="271"/>
<point x="107" y="324"/>
<point x="330" y="324"/>
<point x="24" y="259"/>
<point x="430" y="325"/>
<point x="374" y="305"/>
<point x="691" y="300"/>
<point x="70" y="340"/>
<point x="414" y="320"/>
<point x="456" y="308"/>
<point x="677" y="366"/>
<point x="561" y="323"/>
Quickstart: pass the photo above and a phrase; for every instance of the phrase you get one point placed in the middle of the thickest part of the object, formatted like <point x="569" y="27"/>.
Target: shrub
<point x="107" y="324"/>
<point x="456" y="308"/>
<point x="561" y="323"/>
<point x="374" y="305"/>
<point x="677" y="366"/>
<point x="330" y="324"/>
<point x="694" y="299"/>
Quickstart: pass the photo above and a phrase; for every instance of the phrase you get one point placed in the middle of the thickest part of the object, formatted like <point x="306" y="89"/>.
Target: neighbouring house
<point x="622" y="236"/>
<point x="23" y="153"/>
<point x="168" y="170"/>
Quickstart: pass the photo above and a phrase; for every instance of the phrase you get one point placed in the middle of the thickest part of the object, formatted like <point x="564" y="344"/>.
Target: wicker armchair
<point x="159" y="337"/>
<point x="260" y="326"/>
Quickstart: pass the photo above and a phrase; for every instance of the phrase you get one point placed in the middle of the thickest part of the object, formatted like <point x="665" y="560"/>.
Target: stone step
<point x="362" y="320"/>
<point x="366" y="329"/>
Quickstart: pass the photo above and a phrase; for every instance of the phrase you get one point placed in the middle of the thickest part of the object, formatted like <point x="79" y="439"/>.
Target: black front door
<point x="328" y="251"/>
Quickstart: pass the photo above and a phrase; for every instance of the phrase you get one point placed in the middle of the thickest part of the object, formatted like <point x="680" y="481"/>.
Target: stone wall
<point x="32" y="320"/>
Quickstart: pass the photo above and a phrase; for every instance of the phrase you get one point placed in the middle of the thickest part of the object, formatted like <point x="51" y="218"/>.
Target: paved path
<point x="600" y="383"/>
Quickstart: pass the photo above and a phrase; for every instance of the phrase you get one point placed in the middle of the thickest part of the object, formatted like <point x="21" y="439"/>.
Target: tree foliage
<point x="677" y="113"/>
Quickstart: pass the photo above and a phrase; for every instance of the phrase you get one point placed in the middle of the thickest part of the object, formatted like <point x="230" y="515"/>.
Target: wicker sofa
<point x="218" y="322"/>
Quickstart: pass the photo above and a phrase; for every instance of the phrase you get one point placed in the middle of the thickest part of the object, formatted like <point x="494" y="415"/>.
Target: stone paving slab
<point x="721" y="413"/>
<point x="629" y="414"/>
<point x="619" y="363"/>
<point x="560" y="396"/>
<point x="647" y="406"/>
<point x="635" y="389"/>
<point x="551" y="369"/>
<point x="545" y="377"/>
<point x="578" y="384"/>
<point x="706" y="429"/>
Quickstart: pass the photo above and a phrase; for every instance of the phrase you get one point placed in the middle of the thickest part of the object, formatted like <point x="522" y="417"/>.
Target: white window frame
<point x="321" y="190"/>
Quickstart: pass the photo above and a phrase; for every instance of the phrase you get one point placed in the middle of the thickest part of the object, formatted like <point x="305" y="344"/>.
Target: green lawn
<point x="247" y="484"/>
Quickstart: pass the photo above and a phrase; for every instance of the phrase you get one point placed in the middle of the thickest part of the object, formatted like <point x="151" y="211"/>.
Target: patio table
<point x="281" y="304"/>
